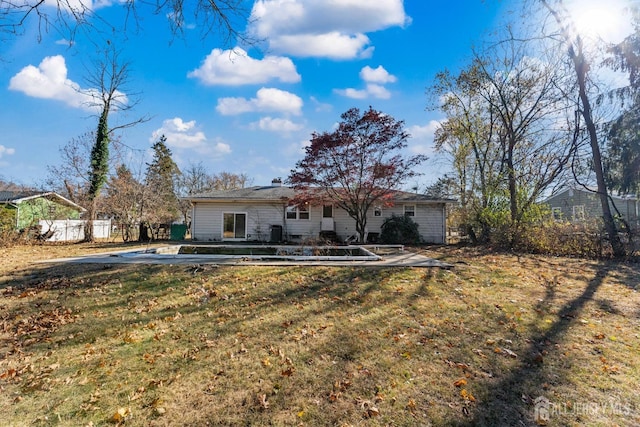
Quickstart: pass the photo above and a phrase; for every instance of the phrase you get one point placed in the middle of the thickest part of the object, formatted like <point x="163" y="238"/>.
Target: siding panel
<point x="207" y="221"/>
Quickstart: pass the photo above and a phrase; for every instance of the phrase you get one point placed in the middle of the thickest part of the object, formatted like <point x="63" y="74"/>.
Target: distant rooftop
<point x="279" y="192"/>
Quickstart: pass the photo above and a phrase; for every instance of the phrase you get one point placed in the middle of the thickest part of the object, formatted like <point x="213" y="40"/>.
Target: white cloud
<point x="277" y="125"/>
<point x="376" y="75"/>
<point x="374" y="79"/>
<point x="180" y="134"/>
<point x="6" y="151"/>
<point x="422" y="137"/>
<point x="266" y="100"/>
<point x="49" y="81"/>
<point x="235" y="67"/>
<point x="320" y="106"/>
<point x="332" y="45"/>
<point x="183" y="135"/>
<point x="222" y="148"/>
<point x="425" y="132"/>
<point x="352" y="93"/>
<point x="378" y="91"/>
<point x="79" y="6"/>
<point x="296" y="150"/>
<point x="321" y="28"/>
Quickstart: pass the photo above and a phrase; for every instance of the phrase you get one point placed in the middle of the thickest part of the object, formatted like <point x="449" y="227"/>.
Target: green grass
<point x="203" y="345"/>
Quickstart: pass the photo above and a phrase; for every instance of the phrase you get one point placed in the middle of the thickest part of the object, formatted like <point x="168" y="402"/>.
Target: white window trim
<point x="578" y="212"/>
<point x="297" y="211"/>
<point x="411" y="212"/>
<point x="556" y="213"/>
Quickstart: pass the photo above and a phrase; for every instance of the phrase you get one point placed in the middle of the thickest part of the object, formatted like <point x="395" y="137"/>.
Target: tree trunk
<point x="144" y="235"/>
<point x="609" y="224"/>
<point x="361" y="226"/>
<point x="88" y="226"/>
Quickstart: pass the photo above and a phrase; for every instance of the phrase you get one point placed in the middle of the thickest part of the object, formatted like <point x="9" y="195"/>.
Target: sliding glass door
<point x="234" y="225"/>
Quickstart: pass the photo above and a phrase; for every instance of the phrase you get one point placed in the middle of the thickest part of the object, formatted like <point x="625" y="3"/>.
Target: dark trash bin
<point x="178" y="231"/>
<point x="276" y="234"/>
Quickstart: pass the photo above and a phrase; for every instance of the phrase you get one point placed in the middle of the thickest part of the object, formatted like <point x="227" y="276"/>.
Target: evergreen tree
<point x="623" y="153"/>
<point x="161" y="204"/>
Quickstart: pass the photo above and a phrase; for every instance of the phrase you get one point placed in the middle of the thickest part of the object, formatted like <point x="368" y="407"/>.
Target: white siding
<point x="301" y="229"/>
<point x="430" y="219"/>
<point x="206" y="223"/>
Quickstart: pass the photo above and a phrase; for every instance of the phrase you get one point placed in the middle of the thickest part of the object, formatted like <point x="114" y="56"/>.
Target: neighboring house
<point x="27" y="208"/>
<point x="265" y="214"/>
<point x="57" y="219"/>
<point x="575" y="204"/>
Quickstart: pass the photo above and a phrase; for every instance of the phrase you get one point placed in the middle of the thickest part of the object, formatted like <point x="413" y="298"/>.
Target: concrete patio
<point x="400" y="259"/>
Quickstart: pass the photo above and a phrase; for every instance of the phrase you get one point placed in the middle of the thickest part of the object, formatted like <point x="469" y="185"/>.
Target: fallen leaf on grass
<point x="131" y="337"/>
<point x="505" y="351"/>
<point x="370" y="409"/>
<point x="262" y="400"/>
<point x="120" y="415"/>
<point x="461" y="382"/>
<point x="373" y="412"/>
<point x="288" y="372"/>
<point x="10" y="373"/>
<point x="479" y="353"/>
<point x="467" y="396"/>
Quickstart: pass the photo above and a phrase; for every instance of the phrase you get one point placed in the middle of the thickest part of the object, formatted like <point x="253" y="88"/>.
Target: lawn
<point x="496" y="340"/>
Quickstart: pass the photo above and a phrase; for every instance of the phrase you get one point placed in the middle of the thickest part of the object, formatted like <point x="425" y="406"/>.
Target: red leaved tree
<point x="358" y="165"/>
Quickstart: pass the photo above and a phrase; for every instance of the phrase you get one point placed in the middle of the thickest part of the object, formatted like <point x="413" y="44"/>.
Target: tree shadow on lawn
<point x="321" y="293"/>
<point x="511" y="400"/>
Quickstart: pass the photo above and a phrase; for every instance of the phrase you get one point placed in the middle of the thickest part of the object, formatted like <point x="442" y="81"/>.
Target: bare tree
<point x="573" y="42"/>
<point x="68" y="17"/>
<point x="110" y="76"/>
<point x="467" y="138"/>
<point x="195" y="179"/>
<point x="534" y="133"/>
<point x="508" y="133"/>
<point x="69" y="177"/>
<point x="123" y="200"/>
<point x="230" y="181"/>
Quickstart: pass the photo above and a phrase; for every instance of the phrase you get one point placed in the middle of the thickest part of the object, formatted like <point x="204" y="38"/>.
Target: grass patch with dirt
<point x="161" y="345"/>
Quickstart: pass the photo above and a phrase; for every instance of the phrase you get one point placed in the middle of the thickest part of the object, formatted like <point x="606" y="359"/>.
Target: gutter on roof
<point x="220" y="200"/>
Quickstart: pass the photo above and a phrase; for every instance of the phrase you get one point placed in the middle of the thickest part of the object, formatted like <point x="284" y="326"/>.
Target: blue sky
<point x="250" y="110"/>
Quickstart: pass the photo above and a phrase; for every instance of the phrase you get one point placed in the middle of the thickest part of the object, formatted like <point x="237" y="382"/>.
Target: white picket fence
<point x="73" y="229"/>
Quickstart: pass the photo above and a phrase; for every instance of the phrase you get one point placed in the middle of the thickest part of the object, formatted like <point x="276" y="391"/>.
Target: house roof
<point x="265" y="193"/>
<point x="281" y="193"/>
<point x="14" y="196"/>
<point x="17" y="197"/>
<point x="590" y="191"/>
